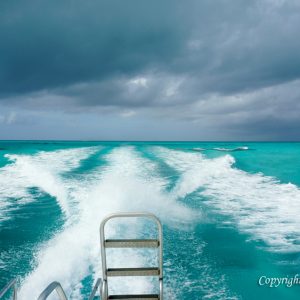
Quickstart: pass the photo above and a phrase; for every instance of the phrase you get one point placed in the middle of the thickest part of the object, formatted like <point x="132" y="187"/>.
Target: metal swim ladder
<point x="131" y="243"/>
<point x="102" y="284"/>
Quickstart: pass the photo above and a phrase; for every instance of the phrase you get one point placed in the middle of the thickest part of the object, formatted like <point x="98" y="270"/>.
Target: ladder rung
<point x="131" y="243"/>
<point x="134" y="297"/>
<point x="133" y="272"/>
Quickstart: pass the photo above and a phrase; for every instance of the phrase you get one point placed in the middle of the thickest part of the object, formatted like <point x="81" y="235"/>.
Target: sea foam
<point x="259" y="205"/>
<point x="42" y="170"/>
<point x="127" y="182"/>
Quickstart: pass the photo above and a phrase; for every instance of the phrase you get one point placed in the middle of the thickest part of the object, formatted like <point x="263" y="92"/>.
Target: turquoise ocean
<point x="230" y="214"/>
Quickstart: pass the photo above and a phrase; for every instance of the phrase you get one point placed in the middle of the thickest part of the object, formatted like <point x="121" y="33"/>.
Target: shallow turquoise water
<point x="229" y="217"/>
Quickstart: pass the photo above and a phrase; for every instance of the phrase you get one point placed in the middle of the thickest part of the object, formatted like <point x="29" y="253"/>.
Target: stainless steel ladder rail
<point x="61" y="293"/>
<point x="131" y="243"/>
<point x="10" y="285"/>
<point x="53" y="286"/>
<point x="94" y="291"/>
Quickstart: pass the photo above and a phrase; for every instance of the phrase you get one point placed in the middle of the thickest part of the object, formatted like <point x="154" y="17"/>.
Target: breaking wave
<point x="259" y="205"/>
<point x="244" y="148"/>
<point x="43" y="171"/>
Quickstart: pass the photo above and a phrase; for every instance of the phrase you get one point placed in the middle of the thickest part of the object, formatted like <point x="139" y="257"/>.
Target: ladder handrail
<point x="50" y="288"/>
<point x="103" y="248"/>
<point x="9" y="285"/>
<point x="104" y="290"/>
<point x="94" y="291"/>
<point x="130" y="215"/>
<point x="161" y="292"/>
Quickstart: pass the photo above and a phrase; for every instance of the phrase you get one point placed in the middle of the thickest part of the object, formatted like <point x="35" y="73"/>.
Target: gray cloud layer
<point x="212" y="69"/>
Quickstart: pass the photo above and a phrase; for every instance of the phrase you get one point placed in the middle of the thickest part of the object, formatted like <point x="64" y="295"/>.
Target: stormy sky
<point x="150" y="70"/>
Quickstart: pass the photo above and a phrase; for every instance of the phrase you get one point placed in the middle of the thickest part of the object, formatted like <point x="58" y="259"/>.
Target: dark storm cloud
<point x="46" y="44"/>
<point x="215" y="65"/>
<point x="230" y="46"/>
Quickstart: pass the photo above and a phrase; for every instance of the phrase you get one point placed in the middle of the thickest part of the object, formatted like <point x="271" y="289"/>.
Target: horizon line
<point x="152" y="141"/>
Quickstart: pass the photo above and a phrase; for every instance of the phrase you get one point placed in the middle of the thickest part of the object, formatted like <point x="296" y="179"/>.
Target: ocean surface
<point x="230" y="214"/>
